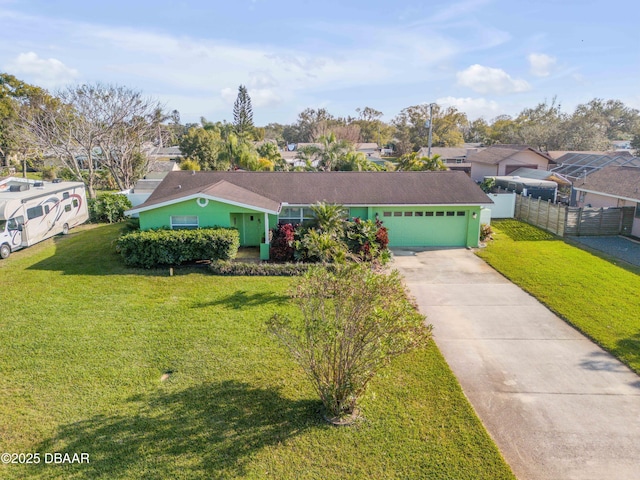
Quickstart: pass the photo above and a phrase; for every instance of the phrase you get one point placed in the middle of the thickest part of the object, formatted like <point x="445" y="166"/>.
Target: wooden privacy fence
<point x="574" y="221"/>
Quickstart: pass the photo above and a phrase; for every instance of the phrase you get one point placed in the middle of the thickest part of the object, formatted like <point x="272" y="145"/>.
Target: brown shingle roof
<point x="346" y="188"/>
<point x="497" y="153"/>
<point x="623" y="182"/>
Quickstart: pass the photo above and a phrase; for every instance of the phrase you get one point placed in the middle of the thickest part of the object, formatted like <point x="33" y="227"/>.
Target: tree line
<point x="105" y="133"/>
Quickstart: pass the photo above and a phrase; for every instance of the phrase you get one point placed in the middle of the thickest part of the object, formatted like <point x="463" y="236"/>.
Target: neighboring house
<point x="455" y="158"/>
<point x="576" y="165"/>
<point x="291" y="156"/>
<point x="501" y="160"/>
<point x="611" y="186"/>
<point x="621" y="144"/>
<point x="162" y="167"/>
<point x="144" y="187"/>
<point x="556" y="154"/>
<point x="165" y="153"/>
<point x="371" y="150"/>
<point x="420" y="209"/>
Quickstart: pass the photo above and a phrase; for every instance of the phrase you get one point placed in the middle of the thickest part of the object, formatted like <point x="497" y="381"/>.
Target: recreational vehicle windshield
<point x="32" y="212"/>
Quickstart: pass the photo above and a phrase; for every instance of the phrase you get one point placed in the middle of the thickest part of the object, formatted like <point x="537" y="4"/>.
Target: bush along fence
<point x="574" y="221"/>
<point x="152" y="248"/>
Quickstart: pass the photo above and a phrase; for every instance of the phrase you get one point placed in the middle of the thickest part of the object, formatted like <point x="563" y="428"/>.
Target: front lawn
<point x="174" y="377"/>
<point x="597" y="297"/>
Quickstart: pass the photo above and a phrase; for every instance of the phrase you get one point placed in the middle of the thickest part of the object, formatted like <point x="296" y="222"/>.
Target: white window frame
<point x="178" y="225"/>
<point x="304" y="214"/>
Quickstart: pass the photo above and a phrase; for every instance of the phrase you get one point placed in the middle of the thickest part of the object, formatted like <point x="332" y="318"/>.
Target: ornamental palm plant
<point x="329" y="218"/>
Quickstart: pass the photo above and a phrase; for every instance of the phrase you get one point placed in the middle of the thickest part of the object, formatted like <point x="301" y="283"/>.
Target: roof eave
<point x="196" y="196"/>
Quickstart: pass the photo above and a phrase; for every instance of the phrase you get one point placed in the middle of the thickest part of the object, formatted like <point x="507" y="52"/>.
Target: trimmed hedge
<point x="222" y="267"/>
<point x="152" y="248"/>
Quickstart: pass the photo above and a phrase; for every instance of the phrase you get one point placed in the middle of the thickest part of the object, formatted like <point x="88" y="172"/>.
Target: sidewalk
<point x="558" y="406"/>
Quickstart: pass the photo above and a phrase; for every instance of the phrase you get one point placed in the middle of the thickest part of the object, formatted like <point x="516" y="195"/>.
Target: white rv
<point x="34" y="211"/>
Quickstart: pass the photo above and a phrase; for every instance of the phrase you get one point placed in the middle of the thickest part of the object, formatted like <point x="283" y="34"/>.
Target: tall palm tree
<point x="332" y="150"/>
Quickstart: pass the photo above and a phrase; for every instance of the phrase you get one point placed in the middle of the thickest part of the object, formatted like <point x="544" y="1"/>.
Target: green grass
<point x="599" y="298"/>
<point x="84" y="343"/>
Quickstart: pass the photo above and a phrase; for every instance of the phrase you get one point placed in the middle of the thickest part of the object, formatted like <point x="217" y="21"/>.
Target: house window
<point x="408" y="214"/>
<point x="184" y="221"/>
<point x="461" y="214"/>
<point x="386" y="214"/>
<point x="34" y="212"/>
<point x="75" y="203"/>
<point x="397" y="214"/>
<point x="439" y="214"/>
<point x="428" y="214"/>
<point x="295" y="215"/>
<point x="67" y="208"/>
<point x="419" y="214"/>
<point x="451" y="214"/>
<point x="65" y="195"/>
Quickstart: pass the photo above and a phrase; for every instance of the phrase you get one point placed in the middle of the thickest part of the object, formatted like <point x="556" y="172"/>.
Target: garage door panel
<point x="427" y="231"/>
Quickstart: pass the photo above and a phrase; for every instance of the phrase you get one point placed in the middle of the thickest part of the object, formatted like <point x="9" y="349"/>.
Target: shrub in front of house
<point x="366" y="239"/>
<point x="348" y="240"/>
<point x="486" y="232"/>
<point x="281" y="247"/>
<point x="152" y="248"/>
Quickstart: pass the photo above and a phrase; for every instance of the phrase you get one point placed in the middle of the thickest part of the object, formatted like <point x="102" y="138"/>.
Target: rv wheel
<point x="5" y="250"/>
<point x="65" y="229"/>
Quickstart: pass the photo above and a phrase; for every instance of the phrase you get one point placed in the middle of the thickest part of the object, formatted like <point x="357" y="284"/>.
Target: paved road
<point x="619" y="247"/>
<point x="558" y="406"/>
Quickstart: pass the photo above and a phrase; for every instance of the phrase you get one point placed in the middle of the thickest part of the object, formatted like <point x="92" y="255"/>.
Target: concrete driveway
<point x="558" y="406"/>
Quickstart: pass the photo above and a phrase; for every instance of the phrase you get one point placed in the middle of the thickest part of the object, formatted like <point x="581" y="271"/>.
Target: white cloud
<point x="264" y="97"/>
<point x="192" y="69"/>
<point x="490" y="80"/>
<point x="541" y="64"/>
<point x="473" y="107"/>
<point x="49" y="72"/>
<point x="229" y="95"/>
<point x="262" y="80"/>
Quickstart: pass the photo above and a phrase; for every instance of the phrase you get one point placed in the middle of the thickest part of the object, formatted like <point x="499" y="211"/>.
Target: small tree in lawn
<point x="354" y="321"/>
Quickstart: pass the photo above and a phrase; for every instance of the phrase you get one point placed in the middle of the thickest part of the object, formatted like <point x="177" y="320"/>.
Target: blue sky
<point x="486" y="57"/>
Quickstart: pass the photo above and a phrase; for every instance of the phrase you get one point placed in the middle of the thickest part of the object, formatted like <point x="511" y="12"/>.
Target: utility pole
<point x="430" y="125"/>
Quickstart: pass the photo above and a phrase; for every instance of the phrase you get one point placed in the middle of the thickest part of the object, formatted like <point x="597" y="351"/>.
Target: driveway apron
<point x="557" y="405"/>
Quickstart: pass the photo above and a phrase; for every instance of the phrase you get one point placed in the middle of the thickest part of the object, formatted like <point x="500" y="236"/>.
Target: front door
<point x="250" y="227"/>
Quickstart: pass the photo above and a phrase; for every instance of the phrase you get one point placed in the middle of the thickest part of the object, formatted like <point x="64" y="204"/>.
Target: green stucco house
<point x="419" y="209"/>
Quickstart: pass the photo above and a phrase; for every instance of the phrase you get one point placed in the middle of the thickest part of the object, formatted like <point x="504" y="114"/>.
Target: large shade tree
<point x="447" y="127"/>
<point x="14" y="95"/>
<point x="96" y="126"/>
